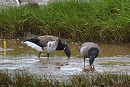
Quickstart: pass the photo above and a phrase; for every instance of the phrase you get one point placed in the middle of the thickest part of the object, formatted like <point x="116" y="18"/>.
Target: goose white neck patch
<point x="65" y="48"/>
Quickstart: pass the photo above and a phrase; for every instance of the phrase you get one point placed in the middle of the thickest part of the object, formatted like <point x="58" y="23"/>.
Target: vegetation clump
<point x="84" y="20"/>
<point x="88" y="80"/>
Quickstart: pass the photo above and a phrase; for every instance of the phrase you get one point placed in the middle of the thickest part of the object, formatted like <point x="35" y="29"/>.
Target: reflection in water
<point x="19" y="49"/>
<point x="4" y="52"/>
<point x="89" y="69"/>
<point x="114" y="50"/>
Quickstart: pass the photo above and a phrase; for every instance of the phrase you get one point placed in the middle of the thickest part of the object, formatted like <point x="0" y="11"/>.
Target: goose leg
<point x="47" y="55"/>
<point x="39" y="55"/>
<point x="84" y="62"/>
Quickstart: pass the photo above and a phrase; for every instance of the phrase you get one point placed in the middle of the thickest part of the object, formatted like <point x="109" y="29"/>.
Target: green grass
<point x="96" y="20"/>
<point x="88" y="80"/>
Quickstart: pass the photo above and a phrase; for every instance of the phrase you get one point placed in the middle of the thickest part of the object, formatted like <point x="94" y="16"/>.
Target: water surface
<point x="23" y="58"/>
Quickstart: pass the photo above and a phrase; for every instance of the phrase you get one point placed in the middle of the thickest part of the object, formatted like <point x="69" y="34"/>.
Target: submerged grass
<point x="111" y="63"/>
<point x="88" y="80"/>
<point x="85" y="20"/>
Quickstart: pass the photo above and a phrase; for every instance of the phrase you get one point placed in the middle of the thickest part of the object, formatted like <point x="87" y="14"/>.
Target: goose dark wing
<point x="43" y="40"/>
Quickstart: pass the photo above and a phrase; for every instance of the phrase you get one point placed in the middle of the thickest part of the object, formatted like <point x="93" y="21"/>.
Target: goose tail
<point x="33" y="45"/>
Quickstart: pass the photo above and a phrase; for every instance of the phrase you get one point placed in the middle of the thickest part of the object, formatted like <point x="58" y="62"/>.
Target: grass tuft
<point x="83" y="80"/>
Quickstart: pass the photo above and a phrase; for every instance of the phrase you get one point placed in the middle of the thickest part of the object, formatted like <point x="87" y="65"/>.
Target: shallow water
<point x="20" y="57"/>
<point x="16" y="48"/>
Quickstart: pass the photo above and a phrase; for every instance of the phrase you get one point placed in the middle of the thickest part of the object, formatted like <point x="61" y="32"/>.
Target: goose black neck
<point x="19" y="1"/>
<point x="91" y="60"/>
<point x="61" y="46"/>
<point x="93" y="52"/>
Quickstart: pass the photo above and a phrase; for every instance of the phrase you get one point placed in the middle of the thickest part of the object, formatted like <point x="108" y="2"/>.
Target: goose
<point x="89" y="50"/>
<point x="18" y="2"/>
<point x="27" y="2"/>
<point x="47" y="43"/>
